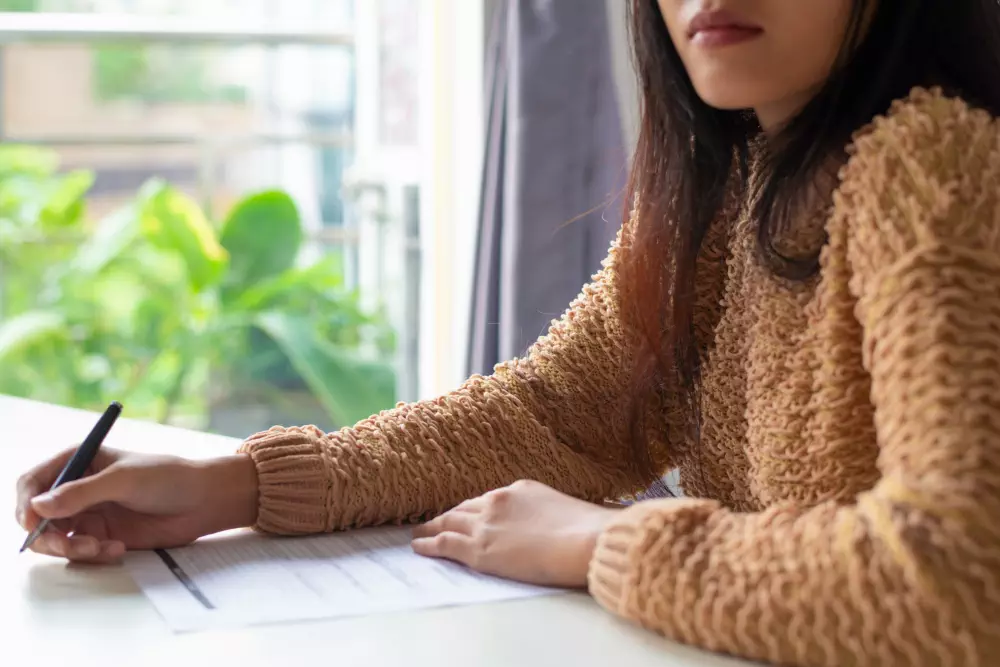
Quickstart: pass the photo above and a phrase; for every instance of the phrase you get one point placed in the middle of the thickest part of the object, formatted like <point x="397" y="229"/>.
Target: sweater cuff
<point x="612" y="574"/>
<point x="293" y="482"/>
<point x="621" y="563"/>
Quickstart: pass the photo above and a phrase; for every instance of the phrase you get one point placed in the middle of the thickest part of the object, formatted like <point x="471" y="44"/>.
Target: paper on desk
<point x="250" y="578"/>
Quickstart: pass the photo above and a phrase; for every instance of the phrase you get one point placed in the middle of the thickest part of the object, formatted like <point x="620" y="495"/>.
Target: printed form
<point x="248" y="578"/>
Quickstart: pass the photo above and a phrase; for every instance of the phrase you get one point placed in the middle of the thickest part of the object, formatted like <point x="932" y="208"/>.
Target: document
<point x="248" y="578"/>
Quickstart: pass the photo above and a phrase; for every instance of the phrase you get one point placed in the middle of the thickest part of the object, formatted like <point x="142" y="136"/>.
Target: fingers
<point x="53" y="543"/>
<point x="455" y="521"/>
<point x="90" y="523"/>
<point x="449" y="535"/>
<point x="75" y="497"/>
<point x="111" y="551"/>
<point x="45" y="473"/>
<point x="471" y="505"/>
<point x="452" y="546"/>
<point x="78" y="548"/>
<point x="26" y="517"/>
<point x="69" y="535"/>
<point x="33" y="482"/>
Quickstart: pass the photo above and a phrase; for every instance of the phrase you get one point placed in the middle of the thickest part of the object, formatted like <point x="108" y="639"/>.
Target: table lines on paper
<point x="250" y="578"/>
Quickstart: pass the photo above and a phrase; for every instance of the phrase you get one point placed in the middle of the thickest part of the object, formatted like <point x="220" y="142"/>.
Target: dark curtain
<point x="554" y="170"/>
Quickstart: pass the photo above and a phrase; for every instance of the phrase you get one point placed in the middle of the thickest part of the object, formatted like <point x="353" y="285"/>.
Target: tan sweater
<point x="845" y="498"/>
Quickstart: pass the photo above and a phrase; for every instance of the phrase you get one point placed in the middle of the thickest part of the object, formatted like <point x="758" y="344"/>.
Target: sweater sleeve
<point x="910" y="572"/>
<point x="558" y="416"/>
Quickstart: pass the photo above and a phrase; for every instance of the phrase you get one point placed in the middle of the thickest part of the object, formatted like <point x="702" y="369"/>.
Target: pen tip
<point x="27" y="543"/>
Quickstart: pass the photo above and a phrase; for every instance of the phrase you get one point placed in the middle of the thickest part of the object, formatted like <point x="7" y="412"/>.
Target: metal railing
<point x="52" y="28"/>
<point x="210" y="146"/>
<point x="222" y="141"/>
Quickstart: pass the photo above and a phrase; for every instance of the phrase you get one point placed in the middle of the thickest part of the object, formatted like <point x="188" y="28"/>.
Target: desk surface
<point x="96" y="615"/>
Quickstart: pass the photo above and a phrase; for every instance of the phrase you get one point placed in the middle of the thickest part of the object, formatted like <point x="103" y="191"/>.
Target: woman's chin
<point x="726" y="97"/>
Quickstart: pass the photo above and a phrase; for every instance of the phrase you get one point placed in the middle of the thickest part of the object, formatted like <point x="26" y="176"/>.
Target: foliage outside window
<point x="158" y="75"/>
<point x="18" y="5"/>
<point x="171" y="313"/>
<point x="149" y="74"/>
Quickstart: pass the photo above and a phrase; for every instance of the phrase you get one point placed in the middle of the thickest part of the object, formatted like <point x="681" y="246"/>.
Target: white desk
<point x="75" y="615"/>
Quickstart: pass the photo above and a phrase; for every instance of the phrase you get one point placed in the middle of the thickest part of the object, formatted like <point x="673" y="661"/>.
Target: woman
<point x="802" y="313"/>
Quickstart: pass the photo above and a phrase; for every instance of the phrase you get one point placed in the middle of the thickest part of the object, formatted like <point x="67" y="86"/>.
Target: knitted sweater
<point x="844" y="499"/>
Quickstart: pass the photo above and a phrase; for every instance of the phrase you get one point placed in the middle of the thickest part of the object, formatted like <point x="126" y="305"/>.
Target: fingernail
<point x="45" y="499"/>
<point x="87" y="548"/>
<point x="50" y="543"/>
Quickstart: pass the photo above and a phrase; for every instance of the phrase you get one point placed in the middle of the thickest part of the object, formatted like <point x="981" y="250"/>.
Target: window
<point x="209" y="208"/>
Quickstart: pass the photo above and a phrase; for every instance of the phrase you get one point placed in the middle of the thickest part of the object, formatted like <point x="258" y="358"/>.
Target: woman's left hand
<point x="526" y="531"/>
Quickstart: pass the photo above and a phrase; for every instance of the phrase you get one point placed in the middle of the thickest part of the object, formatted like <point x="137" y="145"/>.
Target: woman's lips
<point x="721" y="28"/>
<point x="724" y="36"/>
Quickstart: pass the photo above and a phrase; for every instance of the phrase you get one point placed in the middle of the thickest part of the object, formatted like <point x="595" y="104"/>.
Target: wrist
<point x="230" y="484"/>
<point x="597" y="522"/>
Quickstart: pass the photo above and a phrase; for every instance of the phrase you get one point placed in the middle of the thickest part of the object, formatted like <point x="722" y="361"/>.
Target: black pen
<point x="80" y="461"/>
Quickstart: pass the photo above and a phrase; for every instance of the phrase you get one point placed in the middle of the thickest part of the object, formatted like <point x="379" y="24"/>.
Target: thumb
<point x="74" y="497"/>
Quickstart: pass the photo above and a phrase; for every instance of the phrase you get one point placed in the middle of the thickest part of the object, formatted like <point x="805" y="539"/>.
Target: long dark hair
<point x="688" y="153"/>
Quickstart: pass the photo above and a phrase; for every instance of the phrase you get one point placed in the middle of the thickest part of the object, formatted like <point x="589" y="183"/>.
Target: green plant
<point x="156" y="306"/>
<point x="18" y="5"/>
<point x="159" y="74"/>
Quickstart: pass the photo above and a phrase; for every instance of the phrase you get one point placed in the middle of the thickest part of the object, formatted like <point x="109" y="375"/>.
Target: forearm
<point x="421" y="459"/>
<point x="907" y="574"/>
<point x="559" y="416"/>
<point x="827" y="586"/>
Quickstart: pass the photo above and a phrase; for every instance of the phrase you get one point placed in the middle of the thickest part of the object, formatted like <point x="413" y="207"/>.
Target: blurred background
<point x="230" y="214"/>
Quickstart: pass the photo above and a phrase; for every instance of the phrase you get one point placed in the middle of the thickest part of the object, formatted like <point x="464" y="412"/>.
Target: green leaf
<point x="19" y="5"/>
<point x="22" y="199"/>
<point x="120" y="70"/>
<point x="324" y="275"/>
<point x="262" y="235"/>
<point x="27" y="160"/>
<point x="173" y="221"/>
<point x="66" y="203"/>
<point x="27" y="329"/>
<point x="350" y="388"/>
<point x="114" y="234"/>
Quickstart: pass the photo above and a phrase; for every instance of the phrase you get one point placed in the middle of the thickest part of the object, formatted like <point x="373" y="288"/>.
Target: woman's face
<point x="767" y="55"/>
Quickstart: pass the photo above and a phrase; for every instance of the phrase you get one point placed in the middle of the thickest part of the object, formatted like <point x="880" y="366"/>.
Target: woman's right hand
<point x="135" y="501"/>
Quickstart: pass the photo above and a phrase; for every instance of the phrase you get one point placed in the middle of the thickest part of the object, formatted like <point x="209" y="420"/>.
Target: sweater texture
<point x="843" y="501"/>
